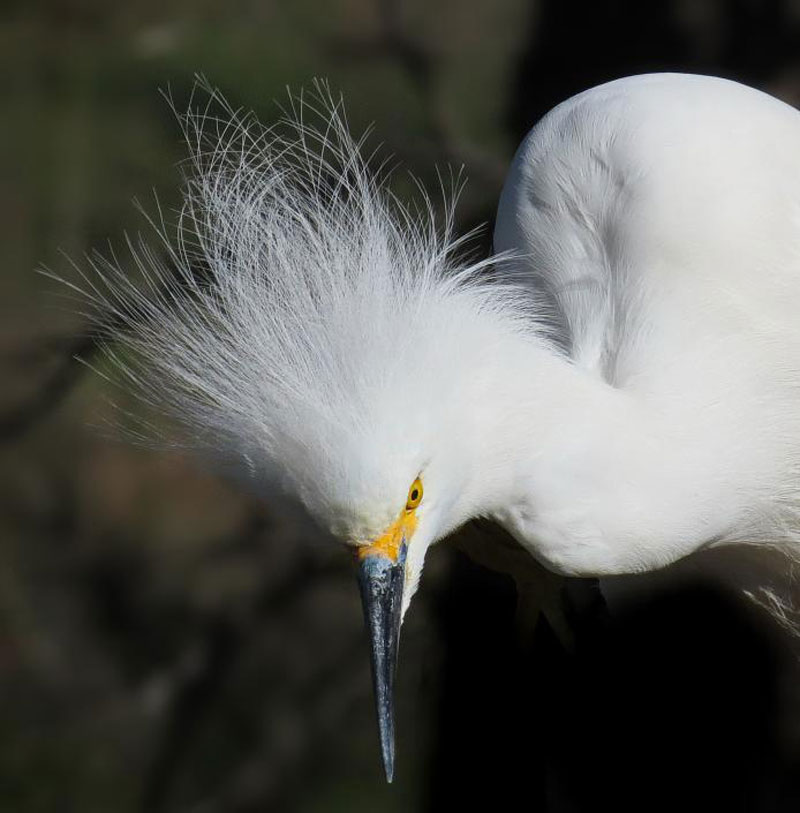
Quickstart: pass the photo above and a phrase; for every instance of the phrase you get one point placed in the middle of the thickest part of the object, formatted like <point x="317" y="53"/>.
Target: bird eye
<point x="414" y="495"/>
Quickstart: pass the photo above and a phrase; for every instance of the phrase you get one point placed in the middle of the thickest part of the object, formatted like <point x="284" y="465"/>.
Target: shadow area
<point x="673" y="705"/>
<point x="575" y="44"/>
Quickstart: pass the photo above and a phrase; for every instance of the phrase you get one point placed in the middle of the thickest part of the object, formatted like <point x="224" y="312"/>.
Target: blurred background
<point x="170" y="644"/>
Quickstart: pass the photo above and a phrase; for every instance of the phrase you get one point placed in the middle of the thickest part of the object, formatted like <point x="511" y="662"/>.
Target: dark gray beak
<point x="381" y="582"/>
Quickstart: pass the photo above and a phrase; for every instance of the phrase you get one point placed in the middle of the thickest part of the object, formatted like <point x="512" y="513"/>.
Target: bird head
<point x="386" y="454"/>
<point x="300" y="320"/>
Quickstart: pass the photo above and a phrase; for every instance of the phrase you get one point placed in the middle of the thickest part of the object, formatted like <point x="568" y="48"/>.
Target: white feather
<point x="662" y="216"/>
<point x="298" y="316"/>
<point x="620" y="393"/>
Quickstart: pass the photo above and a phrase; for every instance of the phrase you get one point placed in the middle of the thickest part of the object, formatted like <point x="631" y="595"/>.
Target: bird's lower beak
<point x="381" y="574"/>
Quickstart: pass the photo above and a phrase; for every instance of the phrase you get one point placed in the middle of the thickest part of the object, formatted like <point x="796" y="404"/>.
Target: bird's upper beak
<point x="381" y="577"/>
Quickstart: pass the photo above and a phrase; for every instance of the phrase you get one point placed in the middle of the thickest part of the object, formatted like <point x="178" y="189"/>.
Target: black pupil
<point x="414" y="495"/>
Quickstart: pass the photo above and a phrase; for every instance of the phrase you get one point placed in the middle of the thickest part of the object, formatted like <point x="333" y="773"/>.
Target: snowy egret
<point x="618" y="388"/>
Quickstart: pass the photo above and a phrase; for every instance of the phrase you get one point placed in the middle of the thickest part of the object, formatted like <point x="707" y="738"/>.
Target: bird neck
<point x="591" y="479"/>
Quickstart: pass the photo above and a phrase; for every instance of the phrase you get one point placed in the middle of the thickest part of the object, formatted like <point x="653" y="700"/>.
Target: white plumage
<point x="661" y="216"/>
<point x="618" y="389"/>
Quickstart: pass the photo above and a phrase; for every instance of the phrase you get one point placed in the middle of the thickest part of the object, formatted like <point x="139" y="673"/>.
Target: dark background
<point x="167" y="643"/>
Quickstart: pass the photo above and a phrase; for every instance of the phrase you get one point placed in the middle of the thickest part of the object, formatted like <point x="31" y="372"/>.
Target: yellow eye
<point x="414" y="495"/>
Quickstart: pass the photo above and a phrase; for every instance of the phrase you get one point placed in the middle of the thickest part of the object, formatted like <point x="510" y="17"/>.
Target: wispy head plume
<point x="292" y="285"/>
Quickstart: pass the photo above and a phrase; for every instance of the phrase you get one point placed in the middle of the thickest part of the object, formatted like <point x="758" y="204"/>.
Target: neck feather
<point x="592" y="479"/>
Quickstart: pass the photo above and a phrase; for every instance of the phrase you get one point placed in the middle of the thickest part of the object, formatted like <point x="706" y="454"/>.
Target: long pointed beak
<point x="381" y="578"/>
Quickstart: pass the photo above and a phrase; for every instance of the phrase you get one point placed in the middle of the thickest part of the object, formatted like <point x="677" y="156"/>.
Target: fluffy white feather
<point x="620" y="394"/>
<point x="300" y="319"/>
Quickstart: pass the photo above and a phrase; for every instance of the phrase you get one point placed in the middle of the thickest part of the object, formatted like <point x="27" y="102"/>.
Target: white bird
<point x="618" y="388"/>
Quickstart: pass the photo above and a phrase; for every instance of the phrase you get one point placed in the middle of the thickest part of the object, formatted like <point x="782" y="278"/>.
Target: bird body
<point x="658" y="218"/>
<point x="620" y="392"/>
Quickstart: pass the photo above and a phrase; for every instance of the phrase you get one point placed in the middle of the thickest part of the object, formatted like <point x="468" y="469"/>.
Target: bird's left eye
<point x="414" y="495"/>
